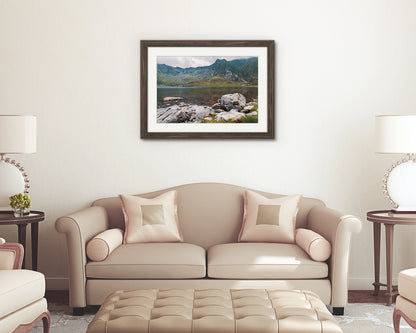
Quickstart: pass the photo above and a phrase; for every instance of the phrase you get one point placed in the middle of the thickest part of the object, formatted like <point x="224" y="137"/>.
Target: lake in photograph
<point x="203" y="95"/>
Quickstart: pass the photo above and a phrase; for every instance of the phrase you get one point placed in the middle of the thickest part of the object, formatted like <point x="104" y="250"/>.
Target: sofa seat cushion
<point x="19" y="288"/>
<point x="151" y="261"/>
<point x="263" y="261"/>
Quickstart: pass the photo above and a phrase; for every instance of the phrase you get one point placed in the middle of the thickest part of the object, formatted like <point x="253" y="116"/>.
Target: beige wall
<point x="75" y="64"/>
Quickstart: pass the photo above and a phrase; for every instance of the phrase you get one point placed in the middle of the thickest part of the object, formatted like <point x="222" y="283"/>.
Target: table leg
<point x="389" y="261"/>
<point x="34" y="236"/>
<point x="376" y="236"/>
<point x="21" y="235"/>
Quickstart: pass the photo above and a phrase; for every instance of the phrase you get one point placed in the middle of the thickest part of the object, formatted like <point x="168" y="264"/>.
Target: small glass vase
<point x="19" y="212"/>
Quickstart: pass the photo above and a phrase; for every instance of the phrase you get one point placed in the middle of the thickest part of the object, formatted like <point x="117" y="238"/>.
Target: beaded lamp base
<point x="399" y="185"/>
<point x="13" y="180"/>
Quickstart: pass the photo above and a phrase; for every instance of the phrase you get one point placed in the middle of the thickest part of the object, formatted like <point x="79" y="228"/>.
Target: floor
<point x="365" y="313"/>
<point x="358" y="318"/>
<point x="367" y="296"/>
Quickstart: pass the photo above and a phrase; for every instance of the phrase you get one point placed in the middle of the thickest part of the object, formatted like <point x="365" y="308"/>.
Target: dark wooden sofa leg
<point x="338" y="311"/>
<point x="78" y="311"/>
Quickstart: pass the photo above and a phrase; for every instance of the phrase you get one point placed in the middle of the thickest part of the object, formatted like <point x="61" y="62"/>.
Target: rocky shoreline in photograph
<point x="229" y="108"/>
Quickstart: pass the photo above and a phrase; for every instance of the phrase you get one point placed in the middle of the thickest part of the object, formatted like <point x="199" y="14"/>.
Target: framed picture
<point x="207" y="89"/>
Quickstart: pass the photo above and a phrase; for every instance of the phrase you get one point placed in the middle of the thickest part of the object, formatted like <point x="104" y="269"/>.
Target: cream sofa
<point x="210" y="217"/>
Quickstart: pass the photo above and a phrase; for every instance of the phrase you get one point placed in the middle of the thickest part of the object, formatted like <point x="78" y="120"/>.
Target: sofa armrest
<point x="79" y="228"/>
<point x="11" y="255"/>
<point x="337" y="228"/>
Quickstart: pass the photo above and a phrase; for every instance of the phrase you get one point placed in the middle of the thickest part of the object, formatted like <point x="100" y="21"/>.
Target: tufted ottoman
<point x="203" y="311"/>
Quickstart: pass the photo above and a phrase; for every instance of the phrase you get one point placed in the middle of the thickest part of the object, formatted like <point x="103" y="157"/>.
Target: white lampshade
<point x="396" y="134"/>
<point x="17" y="134"/>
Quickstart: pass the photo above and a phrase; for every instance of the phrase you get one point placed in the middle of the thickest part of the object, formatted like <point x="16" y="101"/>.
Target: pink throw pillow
<point x="151" y="220"/>
<point x="269" y="220"/>
<point x="317" y="247"/>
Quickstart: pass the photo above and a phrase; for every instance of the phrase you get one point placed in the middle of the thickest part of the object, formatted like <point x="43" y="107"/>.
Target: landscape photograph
<point x="207" y="89"/>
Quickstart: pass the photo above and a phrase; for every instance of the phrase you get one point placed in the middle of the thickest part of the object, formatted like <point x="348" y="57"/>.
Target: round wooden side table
<point x="389" y="220"/>
<point x="33" y="218"/>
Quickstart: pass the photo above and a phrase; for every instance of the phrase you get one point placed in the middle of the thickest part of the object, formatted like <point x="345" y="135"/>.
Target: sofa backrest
<point x="208" y="213"/>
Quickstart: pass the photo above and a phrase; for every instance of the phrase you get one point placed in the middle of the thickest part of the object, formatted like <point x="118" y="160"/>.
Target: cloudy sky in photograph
<point x="185" y="62"/>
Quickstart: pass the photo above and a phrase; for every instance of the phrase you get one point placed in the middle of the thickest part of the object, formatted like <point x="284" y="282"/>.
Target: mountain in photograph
<point x="222" y="73"/>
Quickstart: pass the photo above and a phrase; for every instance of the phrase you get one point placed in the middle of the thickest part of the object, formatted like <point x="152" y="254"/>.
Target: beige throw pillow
<point x="100" y="247"/>
<point x="151" y="220"/>
<point x="317" y="247"/>
<point x="269" y="220"/>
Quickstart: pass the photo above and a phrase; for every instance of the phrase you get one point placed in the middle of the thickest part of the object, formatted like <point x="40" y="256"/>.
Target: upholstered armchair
<point x="406" y="300"/>
<point x="22" y="302"/>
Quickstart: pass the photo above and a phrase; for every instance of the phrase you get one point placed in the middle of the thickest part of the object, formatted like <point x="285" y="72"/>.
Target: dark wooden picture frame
<point x="148" y="104"/>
